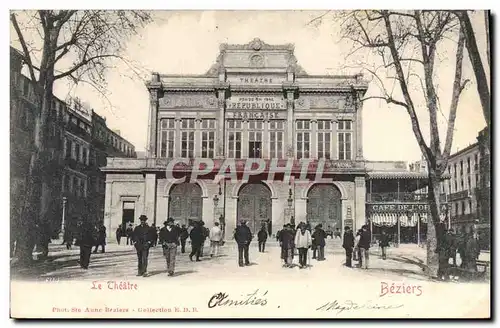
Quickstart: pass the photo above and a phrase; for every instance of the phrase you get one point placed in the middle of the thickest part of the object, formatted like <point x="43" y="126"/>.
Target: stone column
<point x="266" y="140"/>
<point x="290" y="126"/>
<point x="150" y="197"/>
<point x="108" y="214"/>
<point x="313" y="147"/>
<point x="359" y="130"/>
<point x="155" y="92"/>
<point x="220" y="137"/>
<point x="360" y="201"/>
<point x="178" y="137"/>
<point x="197" y="138"/>
<point x="335" y="141"/>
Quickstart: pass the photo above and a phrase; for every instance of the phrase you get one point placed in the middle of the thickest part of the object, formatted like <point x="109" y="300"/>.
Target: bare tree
<point x="476" y="61"/>
<point x="76" y="45"/>
<point x="406" y="43"/>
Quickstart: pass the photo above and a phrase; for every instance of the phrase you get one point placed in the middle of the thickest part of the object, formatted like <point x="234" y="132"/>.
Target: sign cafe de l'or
<point x="393" y="208"/>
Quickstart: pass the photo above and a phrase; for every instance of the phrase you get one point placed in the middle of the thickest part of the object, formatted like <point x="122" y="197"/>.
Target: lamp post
<point x="64" y="201"/>
<point x="290" y="204"/>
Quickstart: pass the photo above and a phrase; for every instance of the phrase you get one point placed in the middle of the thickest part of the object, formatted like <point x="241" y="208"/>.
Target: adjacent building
<point x="79" y="143"/>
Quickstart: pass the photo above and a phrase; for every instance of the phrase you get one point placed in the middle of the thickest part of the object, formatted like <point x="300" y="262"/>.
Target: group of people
<point x="357" y="247"/>
<point x="301" y="239"/>
<point x="170" y="237"/>
<point x="465" y="244"/>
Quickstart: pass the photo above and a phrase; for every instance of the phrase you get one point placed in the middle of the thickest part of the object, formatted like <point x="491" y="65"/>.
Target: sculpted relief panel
<point x="188" y="101"/>
<point x="336" y="103"/>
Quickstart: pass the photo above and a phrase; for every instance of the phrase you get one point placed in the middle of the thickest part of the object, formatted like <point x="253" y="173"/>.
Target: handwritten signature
<point x="222" y="299"/>
<point x="349" y="305"/>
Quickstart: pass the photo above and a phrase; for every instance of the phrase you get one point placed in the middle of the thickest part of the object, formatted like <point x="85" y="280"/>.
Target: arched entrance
<point x="254" y="206"/>
<point x="185" y="203"/>
<point x="324" y="205"/>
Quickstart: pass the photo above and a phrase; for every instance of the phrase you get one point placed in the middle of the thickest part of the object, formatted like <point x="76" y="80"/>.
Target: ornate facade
<point x="254" y="102"/>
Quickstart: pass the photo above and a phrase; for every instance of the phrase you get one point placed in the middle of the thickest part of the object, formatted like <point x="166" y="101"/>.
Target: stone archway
<point x="324" y="206"/>
<point x="255" y="206"/>
<point x="185" y="202"/>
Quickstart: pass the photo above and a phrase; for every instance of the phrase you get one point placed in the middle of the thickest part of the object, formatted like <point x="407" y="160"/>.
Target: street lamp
<point x="64" y="201"/>
<point x="290" y="204"/>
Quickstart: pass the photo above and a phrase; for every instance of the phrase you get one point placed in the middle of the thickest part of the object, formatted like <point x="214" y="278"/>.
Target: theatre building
<point x="255" y="102"/>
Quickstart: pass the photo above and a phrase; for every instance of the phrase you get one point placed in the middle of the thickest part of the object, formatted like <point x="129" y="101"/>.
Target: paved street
<point x="120" y="261"/>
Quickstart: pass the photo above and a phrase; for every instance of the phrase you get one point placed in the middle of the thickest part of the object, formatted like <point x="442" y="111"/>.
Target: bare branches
<point x="458" y="86"/>
<point x="318" y="19"/>
<point x="26" y="53"/>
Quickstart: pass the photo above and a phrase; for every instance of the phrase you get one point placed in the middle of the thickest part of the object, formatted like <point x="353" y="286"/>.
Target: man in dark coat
<point x="101" y="238"/>
<point x="262" y="238"/>
<point x="287" y="238"/>
<point x="348" y="245"/>
<point x="154" y="235"/>
<point x="197" y="236"/>
<point x="119" y="234"/>
<point x="384" y="243"/>
<point x="129" y="232"/>
<point x="206" y="233"/>
<point x="364" y="246"/>
<point x="243" y="237"/>
<point x="169" y="239"/>
<point x="183" y="236"/>
<point x="142" y="239"/>
<point x="85" y="240"/>
<point x="451" y="241"/>
<point x="319" y="236"/>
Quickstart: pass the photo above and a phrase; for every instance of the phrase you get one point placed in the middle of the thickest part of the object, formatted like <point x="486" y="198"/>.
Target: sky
<point x="187" y="42"/>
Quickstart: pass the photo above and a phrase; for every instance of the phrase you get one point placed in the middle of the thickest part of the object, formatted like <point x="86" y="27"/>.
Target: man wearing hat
<point x="243" y="237"/>
<point x="169" y="239"/>
<point x="142" y="240"/>
<point x="348" y="245"/>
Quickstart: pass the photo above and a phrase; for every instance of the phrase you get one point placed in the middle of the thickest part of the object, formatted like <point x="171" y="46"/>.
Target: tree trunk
<point x="477" y="64"/>
<point x="34" y="219"/>
<point x="432" y="236"/>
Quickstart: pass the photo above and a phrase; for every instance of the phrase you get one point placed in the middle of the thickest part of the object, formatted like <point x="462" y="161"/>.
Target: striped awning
<point x="391" y="219"/>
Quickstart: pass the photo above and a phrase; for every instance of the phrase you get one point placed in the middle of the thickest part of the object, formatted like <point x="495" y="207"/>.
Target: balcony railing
<point x="393" y="197"/>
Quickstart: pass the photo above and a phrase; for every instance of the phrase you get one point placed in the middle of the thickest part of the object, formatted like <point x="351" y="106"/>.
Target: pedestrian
<point x="197" y="239"/>
<point x="461" y="243"/>
<point x="452" y="246"/>
<point x="364" y="246"/>
<point x="243" y="237"/>
<point x="119" y="234"/>
<point x="357" y="251"/>
<point x="183" y="236"/>
<point x="303" y="241"/>
<point x="262" y="238"/>
<point x="319" y="237"/>
<point x="348" y="245"/>
<point x="169" y="239"/>
<point x="85" y="240"/>
<point x="142" y="239"/>
<point x="154" y="235"/>
<point x="472" y="251"/>
<point x="206" y="234"/>
<point x="215" y="239"/>
<point x="383" y="244"/>
<point x="68" y="238"/>
<point x="286" y="244"/>
<point x="128" y="233"/>
<point x="336" y="234"/>
<point x="314" y="244"/>
<point x="101" y="238"/>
